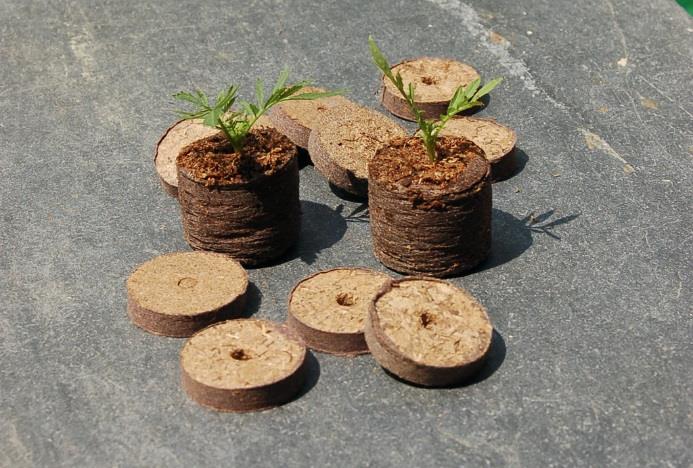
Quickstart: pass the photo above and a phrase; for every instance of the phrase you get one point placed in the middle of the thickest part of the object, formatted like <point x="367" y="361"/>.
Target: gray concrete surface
<point x="589" y="285"/>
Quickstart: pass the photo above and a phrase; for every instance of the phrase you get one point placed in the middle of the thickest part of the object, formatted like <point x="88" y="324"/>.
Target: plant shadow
<point x="512" y="236"/>
<point x="493" y="362"/>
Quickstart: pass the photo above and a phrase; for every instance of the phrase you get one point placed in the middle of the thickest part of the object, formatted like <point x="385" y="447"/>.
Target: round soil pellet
<point x="179" y="293"/>
<point x="427" y="331"/>
<point x="497" y="141"/>
<point x="435" y="79"/>
<point x="296" y="119"/>
<point x="328" y="310"/>
<point x="177" y="137"/>
<point x="343" y="143"/>
<point x="242" y="365"/>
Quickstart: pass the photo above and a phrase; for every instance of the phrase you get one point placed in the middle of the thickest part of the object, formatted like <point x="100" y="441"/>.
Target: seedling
<point x="464" y="98"/>
<point x="236" y="124"/>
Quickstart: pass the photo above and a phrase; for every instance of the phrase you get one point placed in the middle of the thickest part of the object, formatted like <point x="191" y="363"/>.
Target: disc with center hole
<point x="179" y="293"/>
<point x="328" y="309"/>
<point x="435" y="81"/>
<point x="427" y="331"/>
<point x="242" y="365"/>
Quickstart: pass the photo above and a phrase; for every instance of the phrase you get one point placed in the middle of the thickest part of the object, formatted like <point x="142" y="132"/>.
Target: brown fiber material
<point x="177" y="137"/>
<point x="497" y="141"/>
<point x="242" y="365"/>
<point x="248" y="205"/>
<point x="343" y="143"/>
<point x="179" y="293"/>
<point x="430" y="218"/>
<point x="328" y="309"/>
<point x="436" y="80"/>
<point x="427" y="331"/>
<point x="296" y="119"/>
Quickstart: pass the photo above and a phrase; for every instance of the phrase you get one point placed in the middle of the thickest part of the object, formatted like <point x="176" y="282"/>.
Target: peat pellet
<point x="427" y="331"/>
<point x="178" y="136"/>
<point x="430" y="218"/>
<point x="435" y="79"/>
<point x="343" y="143"/>
<point x="497" y="141"/>
<point x="328" y="309"/>
<point x="181" y="134"/>
<point x="179" y="293"/>
<point x="296" y="119"/>
<point x="242" y="365"/>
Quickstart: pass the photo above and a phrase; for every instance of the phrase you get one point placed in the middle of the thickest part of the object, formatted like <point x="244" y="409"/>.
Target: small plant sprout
<point x="236" y="124"/>
<point x="464" y="98"/>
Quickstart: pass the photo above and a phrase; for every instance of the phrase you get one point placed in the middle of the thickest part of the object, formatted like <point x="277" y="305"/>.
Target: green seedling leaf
<point x="379" y="59"/>
<point x="237" y="124"/>
<point x="487" y="88"/>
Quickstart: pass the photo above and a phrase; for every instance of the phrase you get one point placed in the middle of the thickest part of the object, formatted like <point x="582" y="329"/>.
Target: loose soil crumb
<point x="214" y="161"/>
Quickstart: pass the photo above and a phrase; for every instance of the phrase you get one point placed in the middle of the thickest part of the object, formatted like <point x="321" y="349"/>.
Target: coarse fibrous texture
<point x="435" y="79"/>
<point x="497" y="141"/>
<point x="343" y="143"/>
<point x="430" y="218"/>
<point x="177" y="137"/>
<point x="328" y="309"/>
<point x="177" y="294"/>
<point x="245" y="205"/>
<point x="296" y="118"/>
<point x="242" y="365"/>
<point x="427" y="331"/>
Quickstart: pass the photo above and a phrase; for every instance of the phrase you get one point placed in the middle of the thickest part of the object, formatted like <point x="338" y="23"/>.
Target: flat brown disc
<point x="242" y="365"/>
<point x="328" y="309"/>
<point x="296" y="119"/>
<point x="178" y="136"/>
<point x="428" y="331"/>
<point x="436" y="80"/>
<point x="497" y="141"/>
<point x="179" y="293"/>
<point x="344" y="142"/>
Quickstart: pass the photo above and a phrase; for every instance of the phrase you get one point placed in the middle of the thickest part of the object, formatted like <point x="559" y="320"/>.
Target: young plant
<point x="236" y="124"/>
<point x="464" y="98"/>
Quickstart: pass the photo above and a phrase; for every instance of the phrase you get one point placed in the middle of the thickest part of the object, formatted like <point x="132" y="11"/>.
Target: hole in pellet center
<point x="239" y="355"/>
<point x="187" y="283"/>
<point x="426" y="319"/>
<point x="345" y="299"/>
<point x="428" y="80"/>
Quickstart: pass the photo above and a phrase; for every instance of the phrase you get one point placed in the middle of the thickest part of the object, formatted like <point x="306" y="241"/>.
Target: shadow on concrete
<point x="358" y="214"/>
<point x="521" y="159"/>
<point x="494" y="360"/>
<point x="344" y="195"/>
<point x="312" y="374"/>
<point x="321" y="228"/>
<point x="252" y="301"/>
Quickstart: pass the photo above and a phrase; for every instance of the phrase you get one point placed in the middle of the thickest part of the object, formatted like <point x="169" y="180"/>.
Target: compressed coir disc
<point x="497" y="141"/>
<point x="328" y="310"/>
<point x="427" y="331"/>
<point x="296" y="119"/>
<point x="435" y="79"/>
<point x="242" y="365"/>
<point x="178" y="136"/>
<point x="179" y="293"/>
<point x="343" y="143"/>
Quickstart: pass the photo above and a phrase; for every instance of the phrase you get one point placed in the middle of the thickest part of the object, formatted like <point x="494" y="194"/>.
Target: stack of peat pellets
<point x="423" y="330"/>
